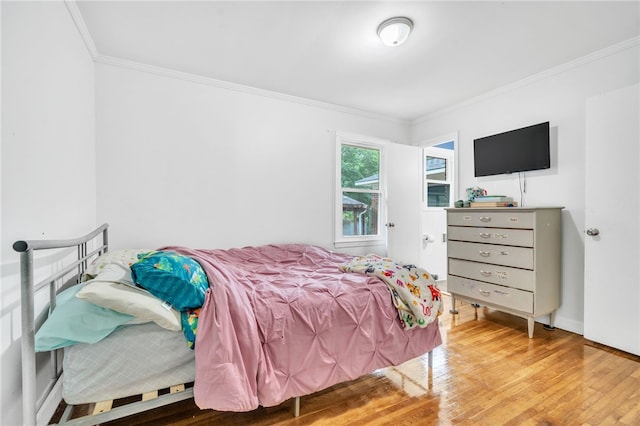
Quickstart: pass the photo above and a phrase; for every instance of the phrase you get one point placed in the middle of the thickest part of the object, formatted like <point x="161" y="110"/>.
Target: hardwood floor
<point x="487" y="372"/>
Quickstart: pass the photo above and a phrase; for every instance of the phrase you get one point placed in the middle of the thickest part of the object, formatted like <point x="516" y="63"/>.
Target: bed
<point x="276" y="322"/>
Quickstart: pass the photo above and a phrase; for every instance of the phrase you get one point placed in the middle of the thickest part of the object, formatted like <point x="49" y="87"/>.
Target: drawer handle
<point x="485" y="235"/>
<point x="485" y="273"/>
<point x="484" y="253"/>
<point x="485" y="218"/>
<point x="484" y="292"/>
<point x="504" y="293"/>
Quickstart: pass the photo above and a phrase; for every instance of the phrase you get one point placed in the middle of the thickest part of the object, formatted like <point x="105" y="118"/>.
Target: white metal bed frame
<point x="32" y="403"/>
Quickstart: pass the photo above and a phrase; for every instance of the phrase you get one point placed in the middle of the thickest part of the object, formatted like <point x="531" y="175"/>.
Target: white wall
<point x="48" y="153"/>
<point x="558" y="97"/>
<point x="178" y="162"/>
<point x="198" y="165"/>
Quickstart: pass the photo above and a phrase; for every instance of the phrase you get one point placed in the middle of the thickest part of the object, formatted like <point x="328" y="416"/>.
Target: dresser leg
<point x="530" y="325"/>
<point x="552" y="321"/>
<point x="453" y="309"/>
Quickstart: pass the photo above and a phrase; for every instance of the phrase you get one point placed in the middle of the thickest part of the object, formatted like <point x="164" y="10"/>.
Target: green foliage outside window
<point x="358" y="164"/>
<point x="360" y="170"/>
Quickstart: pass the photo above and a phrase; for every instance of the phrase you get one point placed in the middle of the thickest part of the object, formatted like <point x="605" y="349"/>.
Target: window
<point x="438" y="174"/>
<point x="358" y="190"/>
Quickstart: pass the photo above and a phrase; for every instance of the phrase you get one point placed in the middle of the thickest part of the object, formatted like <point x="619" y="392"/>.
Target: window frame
<point x="341" y="240"/>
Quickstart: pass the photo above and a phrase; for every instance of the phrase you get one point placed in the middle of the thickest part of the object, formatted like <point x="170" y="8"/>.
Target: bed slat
<point x="131" y="409"/>
<point x="149" y="395"/>
<point x="176" y="389"/>
<point x="102" y="407"/>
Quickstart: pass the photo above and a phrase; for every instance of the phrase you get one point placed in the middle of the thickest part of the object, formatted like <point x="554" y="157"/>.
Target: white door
<point x="612" y="218"/>
<point x="404" y="186"/>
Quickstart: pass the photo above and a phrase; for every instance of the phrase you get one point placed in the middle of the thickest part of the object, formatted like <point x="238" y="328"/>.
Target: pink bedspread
<point x="282" y="321"/>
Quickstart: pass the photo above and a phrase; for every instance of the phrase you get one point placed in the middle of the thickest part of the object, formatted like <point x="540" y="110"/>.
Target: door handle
<point x="593" y="232"/>
<point x="390" y="225"/>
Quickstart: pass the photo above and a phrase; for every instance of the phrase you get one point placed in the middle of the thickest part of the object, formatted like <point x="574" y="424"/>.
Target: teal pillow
<point x="77" y="321"/>
<point x="173" y="278"/>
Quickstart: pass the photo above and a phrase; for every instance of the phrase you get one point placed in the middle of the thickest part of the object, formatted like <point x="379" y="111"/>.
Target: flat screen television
<point x="517" y="150"/>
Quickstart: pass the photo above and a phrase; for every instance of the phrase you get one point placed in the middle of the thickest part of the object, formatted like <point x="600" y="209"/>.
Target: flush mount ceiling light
<point x="395" y="31"/>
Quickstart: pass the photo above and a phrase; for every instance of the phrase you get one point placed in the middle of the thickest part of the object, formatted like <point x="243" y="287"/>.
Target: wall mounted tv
<point x="518" y="150"/>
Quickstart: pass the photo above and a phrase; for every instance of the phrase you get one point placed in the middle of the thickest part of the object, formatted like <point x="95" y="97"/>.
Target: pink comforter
<point x="282" y="321"/>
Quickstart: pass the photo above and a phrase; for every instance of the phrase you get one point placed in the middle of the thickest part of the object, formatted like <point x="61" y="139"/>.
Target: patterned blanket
<point x="413" y="290"/>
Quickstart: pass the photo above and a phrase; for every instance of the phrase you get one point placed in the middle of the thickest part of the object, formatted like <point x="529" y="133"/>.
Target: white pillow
<point x="122" y="256"/>
<point x="130" y="300"/>
<point x="115" y="272"/>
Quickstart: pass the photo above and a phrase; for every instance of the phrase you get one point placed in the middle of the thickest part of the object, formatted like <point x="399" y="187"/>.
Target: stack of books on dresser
<point x="493" y="201"/>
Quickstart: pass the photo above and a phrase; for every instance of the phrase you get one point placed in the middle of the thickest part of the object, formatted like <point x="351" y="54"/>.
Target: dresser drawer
<point x="518" y="257"/>
<point x="504" y="236"/>
<point x="523" y="279"/>
<point x="506" y="297"/>
<point x="494" y="219"/>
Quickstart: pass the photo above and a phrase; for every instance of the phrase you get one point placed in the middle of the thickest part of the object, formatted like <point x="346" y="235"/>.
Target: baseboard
<point x="570" y="325"/>
<point x="562" y="323"/>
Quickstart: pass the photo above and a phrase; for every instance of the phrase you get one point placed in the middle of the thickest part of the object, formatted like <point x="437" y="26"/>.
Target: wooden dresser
<point x="507" y="258"/>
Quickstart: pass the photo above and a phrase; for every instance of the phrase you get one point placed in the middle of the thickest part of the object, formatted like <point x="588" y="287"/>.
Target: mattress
<point x="132" y="360"/>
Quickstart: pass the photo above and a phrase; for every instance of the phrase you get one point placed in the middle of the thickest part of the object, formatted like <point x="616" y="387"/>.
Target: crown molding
<point x="599" y="54"/>
<point x="72" y="7"/>
<point x="76" y="16"/>
<point x="194" y="78"/>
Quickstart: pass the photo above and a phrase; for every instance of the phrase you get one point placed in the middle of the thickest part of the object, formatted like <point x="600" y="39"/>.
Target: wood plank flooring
<point x="487" y="372"/>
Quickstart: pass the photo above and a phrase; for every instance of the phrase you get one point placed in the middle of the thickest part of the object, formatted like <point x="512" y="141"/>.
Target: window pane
<point x="360" y="213"/>
<point x="360" y="167"/>
<point x="438" y="195"/>
<point x="436" y="168"/>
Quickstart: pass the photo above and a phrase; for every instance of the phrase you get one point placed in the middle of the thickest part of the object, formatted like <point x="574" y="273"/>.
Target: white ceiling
<point x="329" y="52"/>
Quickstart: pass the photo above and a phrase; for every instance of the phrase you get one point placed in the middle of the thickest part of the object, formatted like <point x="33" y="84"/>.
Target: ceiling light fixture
<point x="395" y="31"/>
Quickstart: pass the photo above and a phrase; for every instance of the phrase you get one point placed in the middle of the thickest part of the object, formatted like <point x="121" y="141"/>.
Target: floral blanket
<point x="413" y="290"/>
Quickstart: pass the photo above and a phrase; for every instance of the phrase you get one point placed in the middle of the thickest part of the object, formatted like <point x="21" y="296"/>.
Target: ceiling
<point x="329" y="51"/>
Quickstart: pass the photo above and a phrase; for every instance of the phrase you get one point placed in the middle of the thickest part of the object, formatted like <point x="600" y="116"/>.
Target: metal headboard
<point x="30" y="403"/>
